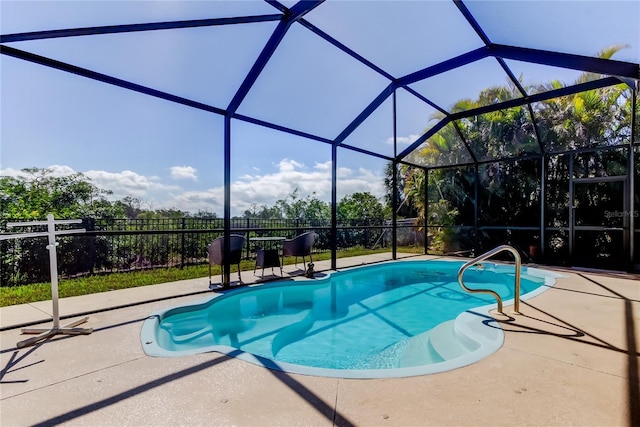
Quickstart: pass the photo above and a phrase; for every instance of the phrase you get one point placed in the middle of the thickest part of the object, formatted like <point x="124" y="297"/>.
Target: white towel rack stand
<point x="56" y="329"/>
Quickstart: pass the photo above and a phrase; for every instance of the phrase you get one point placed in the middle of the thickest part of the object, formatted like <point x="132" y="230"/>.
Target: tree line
<point x="122" y="236"/>
<point x="36" y="193"/>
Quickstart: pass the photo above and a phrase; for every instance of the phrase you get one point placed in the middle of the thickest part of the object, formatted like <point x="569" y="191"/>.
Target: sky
<point x="171" y="156"/>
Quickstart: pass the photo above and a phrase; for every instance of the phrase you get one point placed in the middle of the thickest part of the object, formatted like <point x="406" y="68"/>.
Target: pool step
<point x="414" y="351"/>
<point x="448" y="343"/>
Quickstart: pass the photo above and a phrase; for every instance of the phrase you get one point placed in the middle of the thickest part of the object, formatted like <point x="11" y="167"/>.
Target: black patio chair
<point x="216" y="253"/>
<point x="300" y="245"/>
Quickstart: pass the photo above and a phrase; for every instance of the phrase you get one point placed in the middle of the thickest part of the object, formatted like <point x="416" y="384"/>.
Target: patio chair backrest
<point x="216" y="250"/>
<point x="300" y="245"/>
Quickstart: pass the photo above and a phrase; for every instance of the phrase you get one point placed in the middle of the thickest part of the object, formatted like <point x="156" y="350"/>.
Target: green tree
<point x="414" y="190"/>
<point x="34" y="195"/>
<point x="359" y="206"/>
<point x="263" y="212"/>
<point x="357" y="212"/>
<point x="205" y="214"/>
<point x="309" y="208"/>
<point x="163" y="214"/>
<point x="509" y="191"/>
<point x="131" y="206"/>
<point x="37" y="193"/>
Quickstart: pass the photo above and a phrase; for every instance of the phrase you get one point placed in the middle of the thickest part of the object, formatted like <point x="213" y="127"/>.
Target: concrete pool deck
<point x="571" y="358"/>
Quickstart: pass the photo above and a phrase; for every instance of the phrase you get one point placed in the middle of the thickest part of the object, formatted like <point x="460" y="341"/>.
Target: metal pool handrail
<point x="489" y="254"/>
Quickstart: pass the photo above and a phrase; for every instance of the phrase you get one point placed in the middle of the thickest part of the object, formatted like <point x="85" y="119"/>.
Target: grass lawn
<point x="108" y="282"/>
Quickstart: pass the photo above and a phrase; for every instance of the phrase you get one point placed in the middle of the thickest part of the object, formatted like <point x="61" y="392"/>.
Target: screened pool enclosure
<point x="505" y="122"/>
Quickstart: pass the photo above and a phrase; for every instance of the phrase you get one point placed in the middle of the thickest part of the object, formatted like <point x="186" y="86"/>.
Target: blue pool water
<point x="394" y="319"/>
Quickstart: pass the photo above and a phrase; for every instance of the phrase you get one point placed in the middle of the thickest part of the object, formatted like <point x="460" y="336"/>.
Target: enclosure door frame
<point x="625" y="229"/>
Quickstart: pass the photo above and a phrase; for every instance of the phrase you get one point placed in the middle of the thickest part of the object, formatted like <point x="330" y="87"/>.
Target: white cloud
<point x="289" y="165"/>
<point x="324" y="166"/>
<point x="58" y="170"/>
<point x="122" y="184"/>
<point x="266" y="189"/>
<point x="211" y="200"/>
<point x="128" y="183"/>
<point x="183" y="172"/>
<point x="360" y="181"/>
<point x="11" y="172"/>
<point x="54" y="171"/>
<point x="246" y="191"/>
<point x="404" y="140"/>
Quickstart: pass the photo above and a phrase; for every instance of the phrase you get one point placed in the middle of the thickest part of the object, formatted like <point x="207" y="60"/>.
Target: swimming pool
<point x="394" y="319"/>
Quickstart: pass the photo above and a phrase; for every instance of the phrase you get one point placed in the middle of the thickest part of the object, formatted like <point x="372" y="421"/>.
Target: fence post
<point x="365" y="234"/>
<point x="182" y="244"/>
<point x="247" y="236"/>
<point x="89" y="225"/>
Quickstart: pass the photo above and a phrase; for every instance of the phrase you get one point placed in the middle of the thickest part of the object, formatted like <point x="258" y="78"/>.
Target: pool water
<point x="393" y="316"/>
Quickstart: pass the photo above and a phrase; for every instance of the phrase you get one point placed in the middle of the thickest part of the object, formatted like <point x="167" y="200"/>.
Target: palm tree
<point x="510" y="190"/>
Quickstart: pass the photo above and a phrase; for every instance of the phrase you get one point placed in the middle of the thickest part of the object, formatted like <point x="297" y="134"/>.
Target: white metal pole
<point x="53" y="264"/>
<point x="69" y="329"/>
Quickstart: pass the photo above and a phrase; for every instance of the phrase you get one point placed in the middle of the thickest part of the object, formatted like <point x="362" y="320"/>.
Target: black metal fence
<point x="119" y="245"/>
